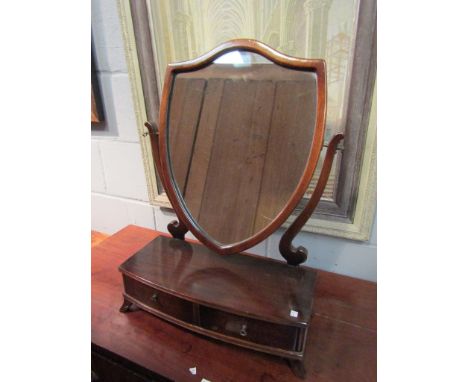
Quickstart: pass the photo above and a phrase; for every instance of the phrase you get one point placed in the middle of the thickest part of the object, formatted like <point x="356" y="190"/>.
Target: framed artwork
<point x="97" y="115"/>
<point x="343" y="32"/>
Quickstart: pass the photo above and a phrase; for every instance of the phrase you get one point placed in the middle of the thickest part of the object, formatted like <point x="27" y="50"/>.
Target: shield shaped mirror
<point x="239" y="138"/>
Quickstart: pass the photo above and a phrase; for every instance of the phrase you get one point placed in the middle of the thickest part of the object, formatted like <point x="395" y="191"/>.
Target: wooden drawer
<point x="161" y="301"/>
<point x="248" y="329"/>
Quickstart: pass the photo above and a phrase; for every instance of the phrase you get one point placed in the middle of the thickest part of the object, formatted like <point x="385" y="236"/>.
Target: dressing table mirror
<point x="240" y="133"/>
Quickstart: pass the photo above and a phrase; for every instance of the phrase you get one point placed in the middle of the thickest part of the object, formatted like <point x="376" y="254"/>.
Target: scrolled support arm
<point x="297" y="255"/>
<point x="176" y="228"/>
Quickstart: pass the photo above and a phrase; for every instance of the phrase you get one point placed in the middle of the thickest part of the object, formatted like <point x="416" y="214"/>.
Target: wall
<point x="118" y="184"/>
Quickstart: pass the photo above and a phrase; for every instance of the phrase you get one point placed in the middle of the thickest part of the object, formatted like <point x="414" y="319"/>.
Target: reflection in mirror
<point x="239" y="136"/>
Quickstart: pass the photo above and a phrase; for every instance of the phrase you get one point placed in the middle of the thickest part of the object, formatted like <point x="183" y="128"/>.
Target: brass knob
<point x="243" y="331"/>
<point x="154" y="297"/>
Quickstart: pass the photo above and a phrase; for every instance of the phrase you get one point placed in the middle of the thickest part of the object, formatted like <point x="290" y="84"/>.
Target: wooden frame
<point x="361" y="226"/>
<point x="160" y="147"/>
<point x="297" y="255"/>
<point x="159" y="279"/>
<point x="364" y="68"/>
<point x="97" y="114"/>
<point x="351" y="220"/>
<point x="143" y="86"/>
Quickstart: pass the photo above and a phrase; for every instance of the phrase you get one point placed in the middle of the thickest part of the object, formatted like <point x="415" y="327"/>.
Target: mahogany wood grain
<point x="346" y="299"/>
<point x="196" y="273"/>
<point x="156" y="299"/>
<point x="177" y="228"/>
<point x="97" y="237"/>
<point x="297" y="255"/>
<point x="254" y="331"/>
<point x="341" y="345"/>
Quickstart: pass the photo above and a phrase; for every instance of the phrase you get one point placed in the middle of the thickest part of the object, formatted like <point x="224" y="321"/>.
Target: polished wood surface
<point x="277" y="339"/>
<point x="97" y="237"/>
<point x="224" y="297"/>
<point x="316" y="66"/>
<point x="297" y="255"/>
<point x="341" y="345"/>
<point x="253" y="286"/>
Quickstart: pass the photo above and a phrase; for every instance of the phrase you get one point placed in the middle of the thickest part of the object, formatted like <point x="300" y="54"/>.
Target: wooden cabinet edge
<point x="298" y="324"/>
<point x="246" y="344"/>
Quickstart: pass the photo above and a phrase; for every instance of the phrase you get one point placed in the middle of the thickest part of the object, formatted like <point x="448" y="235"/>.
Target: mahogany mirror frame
<point x="160" y="149"/>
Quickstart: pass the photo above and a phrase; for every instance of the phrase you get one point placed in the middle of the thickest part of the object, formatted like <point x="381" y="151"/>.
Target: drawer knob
<point x="154" y="297"/>
<point x="243" y="331"/>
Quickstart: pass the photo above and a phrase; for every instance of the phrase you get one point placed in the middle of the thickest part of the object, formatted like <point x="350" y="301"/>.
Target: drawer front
<point x="161" y="301"/>
<point x="259" y="332"/>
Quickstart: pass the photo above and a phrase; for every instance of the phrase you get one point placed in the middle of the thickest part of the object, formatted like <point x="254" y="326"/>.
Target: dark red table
<point x="342" y="342"/>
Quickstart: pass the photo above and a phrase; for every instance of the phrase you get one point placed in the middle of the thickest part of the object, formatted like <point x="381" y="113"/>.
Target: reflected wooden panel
<point x="239" y="141"/>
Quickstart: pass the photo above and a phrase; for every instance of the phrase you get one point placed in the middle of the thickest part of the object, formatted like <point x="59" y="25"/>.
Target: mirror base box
<point x="246" y="300"/>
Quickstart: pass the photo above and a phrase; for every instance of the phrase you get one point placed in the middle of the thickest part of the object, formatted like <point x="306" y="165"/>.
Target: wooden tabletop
<point x="341" y="346"/>
<point x="237" y="283"/>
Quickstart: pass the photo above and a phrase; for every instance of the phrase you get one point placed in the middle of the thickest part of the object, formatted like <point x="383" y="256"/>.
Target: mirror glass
<point x="239" y="135"/>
